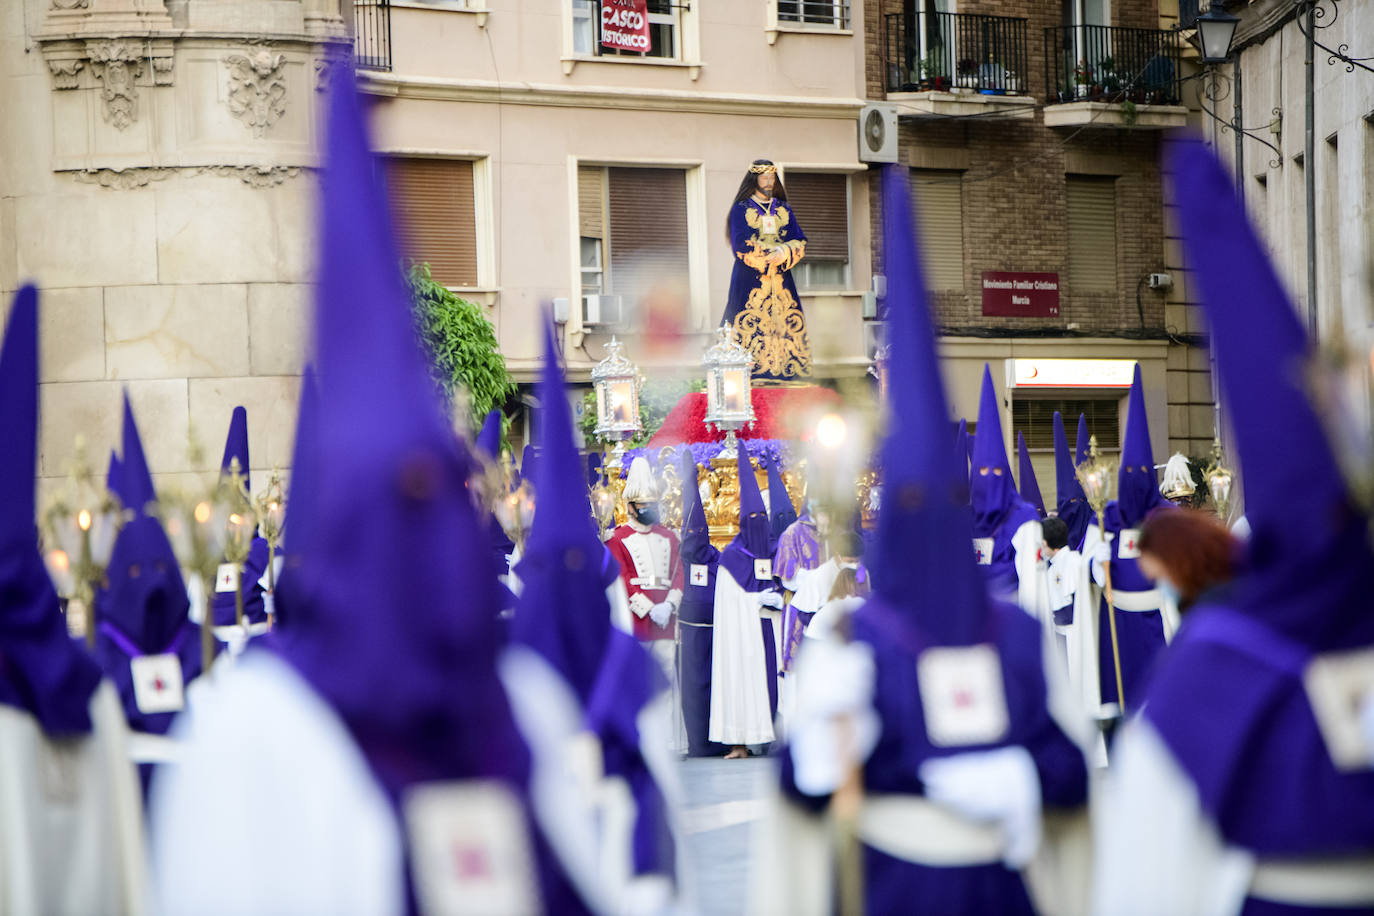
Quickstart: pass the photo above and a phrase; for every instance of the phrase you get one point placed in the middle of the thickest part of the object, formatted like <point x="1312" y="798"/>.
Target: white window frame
<point x="686" y="22"/>
<point x="776" y="25"/>
<point x="848" y="171"/>
<point x="483" y="208"/>
<point x="698" y="276"/>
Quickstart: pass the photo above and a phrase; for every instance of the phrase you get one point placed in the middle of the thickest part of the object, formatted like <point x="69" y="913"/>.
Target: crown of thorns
<point x="762" y="169"/>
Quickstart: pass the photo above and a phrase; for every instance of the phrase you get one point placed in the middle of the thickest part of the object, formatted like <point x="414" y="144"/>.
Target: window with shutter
<point x="591" y="220"/>
<point x="1091" y="206"/>
<point x="647" y="217"/>
<point x="1034" y="418"/>
<point x="820" y="201"/>
<point x="937" y="196"/>
<point x="435" y="207"/>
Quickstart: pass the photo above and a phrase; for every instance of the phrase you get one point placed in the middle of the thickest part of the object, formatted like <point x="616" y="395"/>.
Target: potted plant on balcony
<point x="1013" y="83"/>
<point x="967" y="68"/>
<point x="1108" y="78"/>
<point x="1082" y="79"/>
<point x="932" y="73"/>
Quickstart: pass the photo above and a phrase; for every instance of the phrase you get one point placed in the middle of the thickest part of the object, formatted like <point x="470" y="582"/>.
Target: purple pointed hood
<point x="529" y="465"/>
<point x="395" y="552"/>
<point x="112" y="475"/>
<point x="593" y="469"/>
<point x="562" y="612"/>
<point x="696" y="534"/>
<point x="752" y="542"/>
<point x="236" y="443"/>
<point x="922" y="563"/>
<point x="1081" y="441"/>
<point x="1071" y="505"/>
<point x="489" y="439"/>
<point x="42" y="670"/>
<point x="992" y="491"/>
<point x="781" y="512"/>
<point x="1137" y="487"/>
<point x="145" y="596"/>
<point x="963" y="447"/>
<point x="1030" y="487"/>
<point x="1311" y="570"/>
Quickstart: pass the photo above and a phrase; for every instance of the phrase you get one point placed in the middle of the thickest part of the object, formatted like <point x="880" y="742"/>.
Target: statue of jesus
<point x="763" y="304"/>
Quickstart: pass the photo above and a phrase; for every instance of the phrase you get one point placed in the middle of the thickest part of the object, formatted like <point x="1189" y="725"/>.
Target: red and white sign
<point x="1020" y="294"/>
<point x="1070" y="373"/>
<point x="625" y="25"/>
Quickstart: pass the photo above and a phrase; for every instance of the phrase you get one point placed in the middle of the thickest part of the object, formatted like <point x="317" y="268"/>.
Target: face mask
<point x="1168" y="591"/>
<point x="647" y="515"/>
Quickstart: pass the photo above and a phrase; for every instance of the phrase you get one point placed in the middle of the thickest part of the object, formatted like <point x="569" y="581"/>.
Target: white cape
<point x="71" y="823"/>
<point x="740" y="713"/>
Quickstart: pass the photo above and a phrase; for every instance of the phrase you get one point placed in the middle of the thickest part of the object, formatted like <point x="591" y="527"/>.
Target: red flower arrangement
<point x="777" y="412"/>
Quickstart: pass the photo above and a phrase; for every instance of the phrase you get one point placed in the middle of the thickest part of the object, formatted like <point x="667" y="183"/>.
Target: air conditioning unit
<point x="602" y="310"/>
<point x="878" y="133"/>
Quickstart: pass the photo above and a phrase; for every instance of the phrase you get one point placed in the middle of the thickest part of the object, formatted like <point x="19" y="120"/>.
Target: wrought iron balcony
<point x="955" y="52"/>
<point x="1096" y="63"/>
<point x="372" y="34"/>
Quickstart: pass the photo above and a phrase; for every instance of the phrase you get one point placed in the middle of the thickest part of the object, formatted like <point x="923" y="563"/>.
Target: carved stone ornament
<point x="70" y="4"/>
<point x="66" y="73"/>
<point x="257" y="88"/>
<point x="255" y="176"/>
<point x="123" y="179"/>
<point x="321" y="74"/>
<point x="117" y="64"/>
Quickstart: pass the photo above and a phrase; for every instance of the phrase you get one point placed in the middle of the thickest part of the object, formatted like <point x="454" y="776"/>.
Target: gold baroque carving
<point x="257" y="88"/>
<point x="117" y="65"/>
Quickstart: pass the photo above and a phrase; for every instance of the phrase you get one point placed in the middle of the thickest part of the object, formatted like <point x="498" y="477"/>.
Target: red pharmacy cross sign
<point x="625" y="25"/>
<point x="1020" y="294"/>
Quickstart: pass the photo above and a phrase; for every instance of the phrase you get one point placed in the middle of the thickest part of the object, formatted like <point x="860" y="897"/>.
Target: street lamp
<point x="729" y="404"/>
<point x="616" y="380"/>
<point x="1216" y="28"/>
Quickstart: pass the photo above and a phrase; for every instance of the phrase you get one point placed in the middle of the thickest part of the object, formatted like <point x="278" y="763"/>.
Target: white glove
<point x="999" y="786"/>
<point x="835" y="725"/>
<point x="661" y="613"/>
<point x="269" y="604"/>
<point x="769" y="599"/>
<point x="1102" y="553"/>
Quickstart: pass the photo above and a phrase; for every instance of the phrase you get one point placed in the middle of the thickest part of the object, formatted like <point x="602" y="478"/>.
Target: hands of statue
<point x="661" y="613"/>
<point x="778" y="257"/>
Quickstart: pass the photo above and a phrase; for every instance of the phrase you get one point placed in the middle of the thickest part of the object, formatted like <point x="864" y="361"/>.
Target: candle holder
<point x="513" y="506"/>
<point x="197" y="523"/>
<point x="617" y="382"/>
<point x="604" y="498"/>
<point x="1096" y="474"/>
<point x="269" y="507"/>
<point x="1219" y="479"/>
<point x="80" y="527"/>
<point x="729" y="385"/>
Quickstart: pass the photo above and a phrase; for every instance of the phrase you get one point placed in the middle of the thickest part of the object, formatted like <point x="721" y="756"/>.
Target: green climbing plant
<point x="656" y="399"/>
<point x="461" y="345"/>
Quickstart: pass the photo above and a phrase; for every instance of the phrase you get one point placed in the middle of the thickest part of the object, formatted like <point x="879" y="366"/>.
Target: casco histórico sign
<point x="1020" y="294"/>
<point x="625" y="25"/>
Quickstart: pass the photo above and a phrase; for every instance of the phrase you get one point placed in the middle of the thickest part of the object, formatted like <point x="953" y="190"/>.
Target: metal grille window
<point x="1091" y="204"/>
<point x="821" y="202"/>
<point x="435" y="204"/>
<point x="814" y="12"/>
<point x="372" y="34"/>
<point x="937" y="197"/>
<point x="1034" y="418"/>
<point x="633" y="225"/>
<point x="664" y="30"/>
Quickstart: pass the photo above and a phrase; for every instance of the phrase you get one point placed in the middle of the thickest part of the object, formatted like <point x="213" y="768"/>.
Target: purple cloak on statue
<point x="399" y="634"/>
<point x="737" y="561"/>
<point x="222" y="602"/>
<point x="42" y="670"/>
<point x="563" y="614"/>
<point x="1071" y="505"/>
<point x="929" y="593"/>
<point x="696" y="616"/>
<point x="1140" y="632"/>
<point x="1230" y="701"/>
<point x="1029" y="486"/>
<point x="142" y="609"/>
<point x="998" y="510"/>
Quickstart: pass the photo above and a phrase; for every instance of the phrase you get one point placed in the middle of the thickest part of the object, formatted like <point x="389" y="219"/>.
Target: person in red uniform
<point x="648" y="554"/>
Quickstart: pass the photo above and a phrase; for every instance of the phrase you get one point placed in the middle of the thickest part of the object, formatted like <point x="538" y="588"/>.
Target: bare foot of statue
<point x="738" y="752"/>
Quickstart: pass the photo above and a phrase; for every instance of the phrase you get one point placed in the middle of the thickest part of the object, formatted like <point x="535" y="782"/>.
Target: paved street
<point x="724" y="799"/>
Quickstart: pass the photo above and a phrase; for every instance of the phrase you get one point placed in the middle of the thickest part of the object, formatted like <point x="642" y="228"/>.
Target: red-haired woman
<point x="1187" y="553"/>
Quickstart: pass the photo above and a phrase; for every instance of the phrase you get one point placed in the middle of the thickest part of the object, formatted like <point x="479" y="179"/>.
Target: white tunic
<point x="71" y="826"/>
<point x="740" y="712"/>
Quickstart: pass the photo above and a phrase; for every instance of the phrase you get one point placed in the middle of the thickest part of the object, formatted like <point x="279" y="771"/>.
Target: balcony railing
<point x="944" y="51"/>
<point x="1106" y="64"/>
<point x="372" y="34"/>
<point x="832" y="13"/>
<point x="1187" y="13"/>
